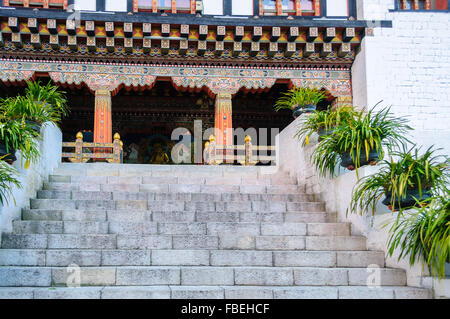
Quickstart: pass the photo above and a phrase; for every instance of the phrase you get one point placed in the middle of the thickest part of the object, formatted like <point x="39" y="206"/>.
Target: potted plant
<point x="404" y="182"/>
<point x="359" y="141"/>
<point x="424" y="233"/>
<point x="40" y="104"/>
<point x="300" y="100"/>
<point x="323" y="123"/>
<point x="17" y="135"/>
<point x="7" y="180"/>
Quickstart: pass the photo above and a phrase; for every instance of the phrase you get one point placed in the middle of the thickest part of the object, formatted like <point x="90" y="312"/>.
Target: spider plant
<point x="299" y="97"/>
<point x="7" y="181"/>
<point x="412" y="176"/>
<point x="360" y="141"/>
<point x="18" y="135"/>
<point x="323" y="122"/>
<point x="424" y="233"/>
<point x="39" y="105"/>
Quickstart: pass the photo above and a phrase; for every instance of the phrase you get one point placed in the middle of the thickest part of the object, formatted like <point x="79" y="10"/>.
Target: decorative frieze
<point x="183" y="46"/>
<point x="128" y="29"/>
<point x="91" y="43"/>
<point x="110" y="44"/>
<point x="201" y="48"/>
<point x="237" y="48"/>
<point x="344" y="50"/>
<point x="147" y="45"/>
<point x="254" y="48"/>
<point x="72" y="42"/>
<point x="35" y="40"/>
<point x="165" y="30"/>
<point x="290" y="49"/>
<point x="273" y="48"/>
<point x="71" y="27"/>
<point x="54" y="41"/>
<point x="16" y="39"/>
<point x="165" y="46"/>
<point x="219" y="48"/>
<point x="128" y="44"/>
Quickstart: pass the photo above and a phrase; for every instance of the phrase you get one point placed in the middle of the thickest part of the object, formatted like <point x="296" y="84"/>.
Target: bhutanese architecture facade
<point x="143" y="68"/>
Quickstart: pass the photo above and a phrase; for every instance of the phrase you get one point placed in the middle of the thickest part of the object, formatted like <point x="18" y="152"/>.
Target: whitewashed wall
<point x="32" y="178"/>
<point x="213" y="7"/>
<point x="407" y="66"/>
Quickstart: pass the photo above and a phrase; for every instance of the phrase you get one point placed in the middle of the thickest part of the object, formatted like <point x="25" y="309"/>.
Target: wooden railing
<point x="111" y="152"/>
<point x="246" y="154"/>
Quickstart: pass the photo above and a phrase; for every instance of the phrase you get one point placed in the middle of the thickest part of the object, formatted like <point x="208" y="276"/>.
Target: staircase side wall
<point x="32" y="179"/>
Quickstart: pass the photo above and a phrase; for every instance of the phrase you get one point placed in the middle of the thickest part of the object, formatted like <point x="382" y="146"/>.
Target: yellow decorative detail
<point x="248" y="139"/>
<point x="79" y="136"/>
<point x="212" y="138"/>
<point x="116" y="136"/>
<point x="206" y="144"/>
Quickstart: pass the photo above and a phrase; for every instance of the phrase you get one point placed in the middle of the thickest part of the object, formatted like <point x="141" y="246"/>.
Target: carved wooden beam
<point x="54" y="41"/>
<point x="237" y="48"/>
<point x="219" y="48"/>
<point x="165" y="30"/>
<point x="13" y="24"/>
<point x="257" y="33"/>
<point x="128" y="29"/>
<point x="33" y="25"/>
<point x="254" y="48"/>
<point x="201" y="48"/>
<point x="128" y="44"/>
<point x="348" y="34"/>
<point x="91" y="44"/>
<point x="110" y="44"/>
<point x="90" y="28"/>
<point x="344" y="49"/>
<point x="184" y="31"/>
<point x="273" y="49"/>
<point x="330" y="34"/>
<point x="220" y="32"/>
<point x="312" y="34"/>
<point x="290" y="49"/>
<point x="309" y="49"/>
<point x="147" y="45"/>
<point x="72" y="42"/>
<point x="326" y="50"/>
<point x="36" y="40"/>
<point x="165" y="46"/>
<point x="202" y="32"/>
<point x="293" y="34"/>
<point x="183" y="46"/>
<point x="238" y="33"/>
<point x="109" y="28"/>
<point x="51" y="26"/>
<point x="275" y="35"/>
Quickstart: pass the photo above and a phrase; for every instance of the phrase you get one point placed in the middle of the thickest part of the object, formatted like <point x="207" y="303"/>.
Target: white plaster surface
<point x="32" y="178"/>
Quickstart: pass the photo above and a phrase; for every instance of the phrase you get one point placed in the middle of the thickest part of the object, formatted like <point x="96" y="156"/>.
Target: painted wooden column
<point x="102" y="117"/>
<point x="317" y="7"/>
<point x="298" y="7"/>
<point x="223" y="120"/>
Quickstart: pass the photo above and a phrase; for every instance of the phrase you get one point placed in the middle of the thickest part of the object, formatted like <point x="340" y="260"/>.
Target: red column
<point x="223" y="120"/>
<point x="102" y="117"/>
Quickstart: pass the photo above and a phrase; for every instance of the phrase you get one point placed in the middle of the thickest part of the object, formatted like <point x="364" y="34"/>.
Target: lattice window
<point x="47" y="4"/>
<point x="173" y="6"/>
<point x="422" y="4"/>
<point x="290" y="7"/>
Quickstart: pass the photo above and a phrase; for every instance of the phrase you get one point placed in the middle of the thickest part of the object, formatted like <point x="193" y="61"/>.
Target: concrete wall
<point x="32" y="178"/>
<point x="336" y="193"/>
<point x="407" y="66"/>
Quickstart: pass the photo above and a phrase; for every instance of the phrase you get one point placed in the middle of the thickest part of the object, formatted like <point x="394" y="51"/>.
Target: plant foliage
<point x="425" y="233"/>
<point x="363" y="133"/>
<point x="7" y="180"/>
<point x="299" y="96"/>
<point x="409" y="171"/>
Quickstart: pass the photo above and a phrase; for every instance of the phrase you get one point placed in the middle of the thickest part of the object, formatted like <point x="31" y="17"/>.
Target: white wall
<point x="116" y="5"/>
<point x="337" y="8"/>
<point x="407" y="66"/>
<point x="85" y="5"/>
<point x="213" y="7"/>
<point x="32" y="178"/>
<point x="242" y="7"/>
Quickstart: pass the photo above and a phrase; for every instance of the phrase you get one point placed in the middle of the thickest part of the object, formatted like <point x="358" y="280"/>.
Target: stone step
<point x="145" y="215"/>
<point x="216" y="292"/>
<point x="97" y="185"/>
<point x="198" y="257"/>
<point x="196" y="197"/>
<point x="180" y="228"/>
<point x="220" y="241"/>
<point x="166" y="205"/>
<point x="198" y="276"/>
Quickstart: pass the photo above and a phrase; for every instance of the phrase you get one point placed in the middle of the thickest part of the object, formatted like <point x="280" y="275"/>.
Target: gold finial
<point x="79" y="136"/>
<point x="248" y="139"/>
<point x="121" y="144"/>
<point x="212" y="138"/>
<point x="206" y="144"/>
<point x="116" y="136"/>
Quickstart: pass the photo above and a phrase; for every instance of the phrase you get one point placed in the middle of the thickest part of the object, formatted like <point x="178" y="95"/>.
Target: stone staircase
<point x="145" y="231"/>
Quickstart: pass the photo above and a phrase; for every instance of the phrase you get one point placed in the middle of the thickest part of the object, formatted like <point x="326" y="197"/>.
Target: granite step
<point x="52" y="192"/>
<point x="145" y="215"/>
<point x="180" y="228"/>
<point x="11" y="276"/>
<point x="98" y="184"/>
<point x="215" y="292"/>
<point x="220" y="241"/>
<point x="183" y="257"/>
<point x="167" y="205"/>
